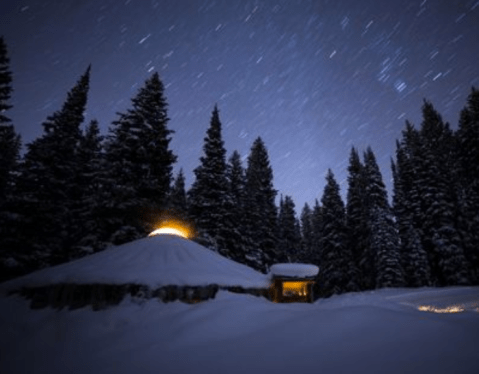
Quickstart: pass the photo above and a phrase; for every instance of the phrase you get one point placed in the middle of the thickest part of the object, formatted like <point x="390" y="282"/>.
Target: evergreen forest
<point x="74" y="191"/>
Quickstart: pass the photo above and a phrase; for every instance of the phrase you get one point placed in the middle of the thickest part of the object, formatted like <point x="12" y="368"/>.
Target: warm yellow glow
<point x="295" y="288"/>
<point x="173" y="228"/>
<point x="433" y="309"/>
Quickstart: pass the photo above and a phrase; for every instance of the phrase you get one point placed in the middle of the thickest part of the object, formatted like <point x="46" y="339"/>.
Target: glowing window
<point x="295" y="288"/>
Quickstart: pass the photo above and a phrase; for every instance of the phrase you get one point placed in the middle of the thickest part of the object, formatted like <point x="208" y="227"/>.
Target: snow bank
<point x="154" y="261"/>
<point x="370" y="332"/>
<point x="294" y="270"/>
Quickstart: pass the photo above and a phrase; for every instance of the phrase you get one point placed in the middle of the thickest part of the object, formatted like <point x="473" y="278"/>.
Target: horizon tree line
<point x="75" y="192"/>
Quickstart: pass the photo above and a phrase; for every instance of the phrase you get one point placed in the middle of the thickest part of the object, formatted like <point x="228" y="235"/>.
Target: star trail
<point x="312" y="78"/>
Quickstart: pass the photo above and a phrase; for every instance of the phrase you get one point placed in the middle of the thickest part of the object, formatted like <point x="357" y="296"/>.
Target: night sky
<point x="312" y="78"/>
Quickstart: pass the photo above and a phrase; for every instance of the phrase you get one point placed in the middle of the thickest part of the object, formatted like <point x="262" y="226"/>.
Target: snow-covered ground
<point x="385" y="331"/>
<point x="371" y="332"/>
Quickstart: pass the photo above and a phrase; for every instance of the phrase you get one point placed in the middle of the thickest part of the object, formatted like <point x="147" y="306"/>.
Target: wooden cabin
<point x="293" y="282"/>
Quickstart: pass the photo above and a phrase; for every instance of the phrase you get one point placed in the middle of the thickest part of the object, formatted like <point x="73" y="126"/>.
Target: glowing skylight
<point x="173" y="228"/>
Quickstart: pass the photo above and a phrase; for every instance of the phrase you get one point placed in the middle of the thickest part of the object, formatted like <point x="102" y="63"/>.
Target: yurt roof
<point x="154" y="261"/>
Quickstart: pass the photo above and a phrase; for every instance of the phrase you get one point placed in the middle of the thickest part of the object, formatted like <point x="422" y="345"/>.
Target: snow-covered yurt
<point x="166" y="267"/>
<point x="293" y="282"/>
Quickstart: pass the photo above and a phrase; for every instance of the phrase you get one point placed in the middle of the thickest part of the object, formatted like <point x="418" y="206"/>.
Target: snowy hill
<point x="154" y="261"/>
<point x="371" y="332"/>
<point x="385" y="331"/>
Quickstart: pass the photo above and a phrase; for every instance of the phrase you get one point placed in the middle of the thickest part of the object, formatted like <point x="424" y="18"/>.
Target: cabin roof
<point x="294" y="270"/>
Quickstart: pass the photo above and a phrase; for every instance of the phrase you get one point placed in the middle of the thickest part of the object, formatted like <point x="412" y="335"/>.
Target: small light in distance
<point x="433" y="309"/>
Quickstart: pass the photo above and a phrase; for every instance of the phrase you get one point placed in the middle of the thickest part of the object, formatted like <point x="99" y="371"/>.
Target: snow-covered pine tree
<point x="408" y="163"/>
<point x="307" y="238"/>
<point x="317" y="236"/>
<point x="88" y="234"/>
<point x="336" y="274"/>
<point x="237" y="240"/>
<point x="406" y="204"/>
<point x="467" y="137"/>
<point x="261" y="217"/>
<point x="9" y="154"/>
<point x="178" y="201"/>
<point x="358" y="231"/>
<point x="441" y="239"/>
<point x="289" y="236"/>
<point x="46" y="190"/>
<point x="385" y="244"/>
<point x="316" y="242"/>
<point x="210" y="204"/>
<point x="382" y="259"/>
<point x="236" y="180"/>
<point x="140" y="164"/>
<point x="9" y="139"/>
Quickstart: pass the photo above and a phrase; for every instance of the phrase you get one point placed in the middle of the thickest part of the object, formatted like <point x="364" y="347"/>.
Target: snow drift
<point x="370" y="332"/>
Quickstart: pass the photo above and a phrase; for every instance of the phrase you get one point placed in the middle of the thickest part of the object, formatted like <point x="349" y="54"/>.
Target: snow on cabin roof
<point x="294" y="270"/>
<point x="154" y="261"/>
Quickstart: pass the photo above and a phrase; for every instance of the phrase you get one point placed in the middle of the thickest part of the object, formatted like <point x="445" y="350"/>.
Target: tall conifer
<point x="209" y="200"/>
<point x="47" y="188"/>
<point x="238" y="239"/>
<point x="178" y="201"/>
<point x="306" y="234"/>
<point x="289" y="238"/>
<point x="9" y="154"/>
<point x="406" y="207"/>
<point x="468" y="177"/>
<point x="436" y="185"/>
<point x="317" y="225"/>
<point x="358" y="231"/>
<point x="382" y="259"/>
<point x="87" y="234"/>
<point x="336" y="270"/>
<point x="9" y="140"/>
<point x="262" y="228"/>
<point x="140" y="164"/>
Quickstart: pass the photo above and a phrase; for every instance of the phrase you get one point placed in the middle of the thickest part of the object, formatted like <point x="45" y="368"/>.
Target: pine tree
<point x="382" y="259"/>
<point x="210" y="202"/>
<point x="317" y="223"/>
<point x="358" y="230"/>
<point x="385" y="244"/>
<point x="9" y="140"/>
<point x="262" y="229"/>
<point x="441" y="239"/>
<point x="236" y="179"/>
<point x="88" y="237"/>
<point x="237" y="239"/>
<point x="406" y="207"/>
<point x="46" y="190"/>
<point x="140" y="164"/>
<point x="468" y="139"/>
<point x="468" y="181"/>
<point x="408" y="203"/>
<point x="178" y="201"/>
<point x="307" y="236"/>
<point x="336" y="275"/>
<point x="9" y="154"/>
<point x="289" y="235"/>
<point x="314" y="256"/>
